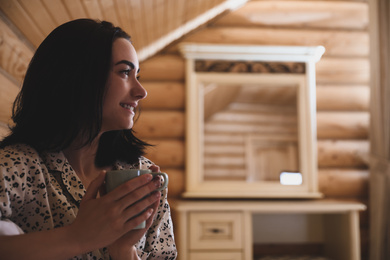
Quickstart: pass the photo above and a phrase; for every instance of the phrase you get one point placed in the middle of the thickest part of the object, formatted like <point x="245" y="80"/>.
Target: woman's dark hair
<point x="62" y="94"/>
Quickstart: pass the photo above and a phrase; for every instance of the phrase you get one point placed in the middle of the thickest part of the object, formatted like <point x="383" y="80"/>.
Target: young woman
<point x="73" y="121"/>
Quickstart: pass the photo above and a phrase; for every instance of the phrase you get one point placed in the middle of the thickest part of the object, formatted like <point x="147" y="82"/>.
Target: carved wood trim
<point x="249" y="66"/>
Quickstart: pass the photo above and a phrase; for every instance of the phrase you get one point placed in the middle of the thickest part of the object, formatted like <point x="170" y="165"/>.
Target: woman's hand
<point x="124" y="248"/>
<point x="110" y="218"/>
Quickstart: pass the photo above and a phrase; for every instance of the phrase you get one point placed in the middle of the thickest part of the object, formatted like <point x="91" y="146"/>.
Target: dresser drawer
<point x="219" y="230"/>
<point x="216" y="256"/>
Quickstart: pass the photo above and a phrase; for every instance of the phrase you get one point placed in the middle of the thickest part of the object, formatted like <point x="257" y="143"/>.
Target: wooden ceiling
<point x="152" y="24"/>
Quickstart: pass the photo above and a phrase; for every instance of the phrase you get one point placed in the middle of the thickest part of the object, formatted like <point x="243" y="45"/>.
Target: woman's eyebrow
<point x="129" y="63"/>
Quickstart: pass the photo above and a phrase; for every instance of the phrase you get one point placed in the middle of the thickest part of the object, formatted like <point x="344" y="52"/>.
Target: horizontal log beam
<point x="343" y="71"/>
<point x="330" y="125"/>
<point x="171" y="95"/>
<point x="343" y="153"/>
<point x="163" y="95"/>
<point x="268" y="128"/>
<point x="234" y="139"/>
<point x="303" y="14"/>
<point x="8" y="92"/>
<point x="329" y="70"/>
<point x="225" y="160"/>
<point x="333" y="183"/>
<point x="343" y="125"/>
<point x="262" y="108"/>
<point x="331" y="154"/>
<point x="15" y="55"/>
<point x="343" y="98"/>
<point x="268" y="118"/>
<point x="224" y="149"/>
<point x="160" y="124"/>
<point x="167" y="153"/>
<point x="163" y="68"/>
<point x="336" y="42"/>
<point x="343" y="183"/>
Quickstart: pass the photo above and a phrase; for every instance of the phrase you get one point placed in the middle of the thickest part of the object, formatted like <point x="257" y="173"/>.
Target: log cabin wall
<point x="14" y="58"/>
<point x="342" y="88"/>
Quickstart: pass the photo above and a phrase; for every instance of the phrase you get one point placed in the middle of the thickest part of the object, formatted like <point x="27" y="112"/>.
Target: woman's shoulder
<point x="18" y="153"/>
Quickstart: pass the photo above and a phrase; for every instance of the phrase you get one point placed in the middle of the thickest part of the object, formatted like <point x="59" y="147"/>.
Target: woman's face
<point x="123" y="90"/>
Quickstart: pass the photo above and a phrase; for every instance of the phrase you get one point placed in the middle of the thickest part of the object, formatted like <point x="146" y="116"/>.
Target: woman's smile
<point x="128" y="107"/>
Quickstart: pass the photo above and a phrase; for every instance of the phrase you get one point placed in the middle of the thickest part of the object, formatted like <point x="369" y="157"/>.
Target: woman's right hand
<point x="102" y="220"/>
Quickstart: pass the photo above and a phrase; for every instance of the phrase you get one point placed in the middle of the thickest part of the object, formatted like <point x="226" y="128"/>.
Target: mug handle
<point x="165" y="176"/>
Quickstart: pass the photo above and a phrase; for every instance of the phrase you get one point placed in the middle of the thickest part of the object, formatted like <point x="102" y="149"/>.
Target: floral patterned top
<point x="42" y="192"/>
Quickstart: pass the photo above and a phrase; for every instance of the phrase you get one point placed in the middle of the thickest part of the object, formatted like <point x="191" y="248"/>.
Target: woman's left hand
<point x="123" y="248"/>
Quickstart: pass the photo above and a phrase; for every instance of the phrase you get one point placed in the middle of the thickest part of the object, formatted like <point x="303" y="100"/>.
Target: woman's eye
<point x="126" y="72"/>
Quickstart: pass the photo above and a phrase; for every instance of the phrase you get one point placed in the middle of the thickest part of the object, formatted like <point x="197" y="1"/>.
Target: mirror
<point x="250" y="131"/>
<point x="250" y="121"/>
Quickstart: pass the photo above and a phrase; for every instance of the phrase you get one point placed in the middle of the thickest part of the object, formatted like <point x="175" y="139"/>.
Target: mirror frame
<point x="195" y="186"/>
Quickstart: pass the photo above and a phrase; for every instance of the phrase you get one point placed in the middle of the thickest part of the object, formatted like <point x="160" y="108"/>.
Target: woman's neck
<point x="82" y="161"/>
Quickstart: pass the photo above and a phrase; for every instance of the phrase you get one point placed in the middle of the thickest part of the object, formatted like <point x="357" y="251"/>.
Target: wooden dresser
<point x="222" y="229"/>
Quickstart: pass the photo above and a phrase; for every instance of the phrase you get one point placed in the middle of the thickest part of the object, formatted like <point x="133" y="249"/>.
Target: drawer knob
<point x="215" y="230"/>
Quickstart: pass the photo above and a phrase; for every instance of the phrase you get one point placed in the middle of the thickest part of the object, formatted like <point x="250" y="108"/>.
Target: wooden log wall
<point x="342" y="87"/>
<point x="14" y="58"/>
<point x="341" y="26"/>
<point x="342" y="79"/>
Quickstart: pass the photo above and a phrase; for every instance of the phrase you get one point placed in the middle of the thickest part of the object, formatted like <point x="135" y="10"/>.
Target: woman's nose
<point x="139" y="91"/>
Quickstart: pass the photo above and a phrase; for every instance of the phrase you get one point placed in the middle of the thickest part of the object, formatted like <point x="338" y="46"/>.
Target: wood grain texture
<point x="351" y="183"/>
<point x="22" y="19"/>
<point x="343" y="97"/>
<point x="330" y="70"/>
<point x="167" y="153"/>
<point x="352" y="15"/>
<point x="333" y="183"/>
<point x="342" y="125"/>
<point x="160" y="124"/>
<point x="330" y="97"/>
<point x="343" y="153"/>
<point x="342" y="74"/>
<point x="167" y="95"/>
<point x="336" y="70"/>
<point x="336" y="42"/>
<point x="145" y="21"/>
<point x="163" y="68"/>
<point x="8" y="92"/>
<point x="331" y="153"/>
<point x="14" y="54"/>
<point x="330" y="125"/>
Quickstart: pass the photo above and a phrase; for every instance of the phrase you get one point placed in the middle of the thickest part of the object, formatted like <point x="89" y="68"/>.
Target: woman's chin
<point x="118" y="128"/>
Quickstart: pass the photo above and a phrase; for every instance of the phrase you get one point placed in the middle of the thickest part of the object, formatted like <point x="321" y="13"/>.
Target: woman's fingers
<point x="133" y="197"/>
<point x="129" y="186"/>
<point x="143" y="194"/>
<point x="134" y="190"/>
<point x="154" y="206"/>
<point x="139" y="207"/>
<point x="118" y="212"/>
<point x="154" y="168"/>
